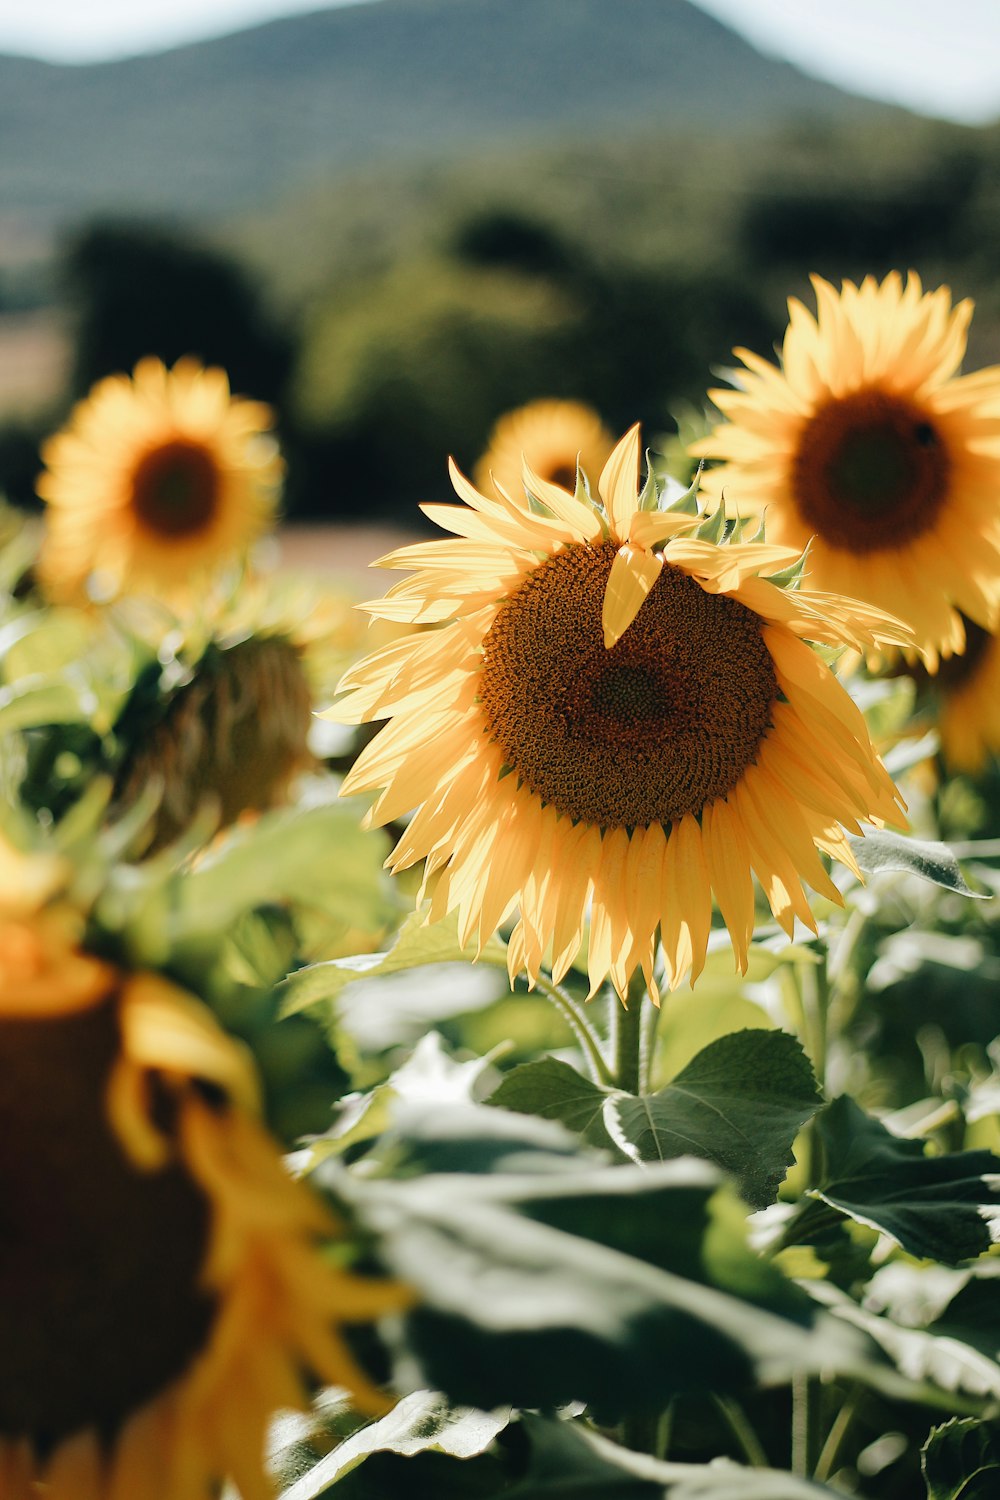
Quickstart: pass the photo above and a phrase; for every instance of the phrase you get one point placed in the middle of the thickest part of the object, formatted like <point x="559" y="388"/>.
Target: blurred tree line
<point x="619" y="277"/>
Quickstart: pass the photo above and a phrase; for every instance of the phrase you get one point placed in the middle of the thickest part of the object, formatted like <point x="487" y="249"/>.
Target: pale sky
<point x="938" y="56"/>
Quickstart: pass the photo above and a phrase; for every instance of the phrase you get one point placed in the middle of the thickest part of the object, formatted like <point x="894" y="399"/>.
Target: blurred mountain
<point x="223" y="125"/>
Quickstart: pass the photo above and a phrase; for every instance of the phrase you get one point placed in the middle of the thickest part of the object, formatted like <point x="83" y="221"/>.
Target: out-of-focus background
<point x="395" y="219"/>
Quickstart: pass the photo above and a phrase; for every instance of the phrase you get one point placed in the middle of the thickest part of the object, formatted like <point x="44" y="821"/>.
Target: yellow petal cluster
<point x="866" y="442"/>
<point x="156" y="481"/>
<point x="611" y="723"/>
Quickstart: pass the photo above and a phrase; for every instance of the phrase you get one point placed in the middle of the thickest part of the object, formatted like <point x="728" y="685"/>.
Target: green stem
<point x="835" y="1437"/>
<point x="801" y="1422"/>
<point x="647" y="1046"/>
<point x="626" y="1035"/>
<point x="739" y="1425"/>
<point x="582" y="1030"/>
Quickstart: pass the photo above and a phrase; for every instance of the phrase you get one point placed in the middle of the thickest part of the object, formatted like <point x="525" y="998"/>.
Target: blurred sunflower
<point x="156" y="481"/>
<point x="965" y="699"/>
<point x="867" y="441"/>
<point x="164" y="1290"/>
<point x="613" y="715"/>
<point x="552" y="436"/>
<point x="235" y="731"/>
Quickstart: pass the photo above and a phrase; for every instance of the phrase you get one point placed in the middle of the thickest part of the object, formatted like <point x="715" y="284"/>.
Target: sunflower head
<point x="867" y="441"/>
<point x="615" y="714"/>
<point x="553" y="437"/>
<point x="235" y="731"/>
<point x="157" y="481"/>
<point x="171" y="1295"/>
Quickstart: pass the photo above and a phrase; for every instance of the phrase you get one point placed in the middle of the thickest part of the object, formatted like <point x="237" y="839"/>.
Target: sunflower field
<point x="533" y="1033"/>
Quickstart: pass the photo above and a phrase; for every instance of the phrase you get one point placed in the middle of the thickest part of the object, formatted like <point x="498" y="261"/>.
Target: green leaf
<point x="41" y="700"/>
<point x="311" y="855"/>
<point x="923" y="1356"/>
<point x="553" y="1090"/>
<point x="961" y="1461"/>
<point x="422" y="1422"/>
<point x="568" y="1462"/>
<point x="882" y="850"/>
<point x="428" y="1074"/>
<point x="545" y="1277"/>
<point x="417" y="944"/>
<point x="943" y="1208"/>
<point x="739" y="1103"/>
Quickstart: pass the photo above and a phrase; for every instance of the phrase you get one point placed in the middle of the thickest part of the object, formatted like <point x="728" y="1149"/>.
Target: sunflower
<point x="867" y="442"/>
<point x="164" y="1293"/>
<point x="964" y="701"/>
<point x="552" y="436"/>
<point x="613" y="714"/>
<point x="236" y="731"/>
<point x="156" y="481"/>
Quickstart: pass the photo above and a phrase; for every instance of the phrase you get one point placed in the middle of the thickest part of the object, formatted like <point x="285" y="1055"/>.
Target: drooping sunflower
<point x="157" y="480"/>
<point x="610" y="714"/>
<point x="163" y="1290"/>
<point x="866" y="441"/>
<point x="552" y="436"/>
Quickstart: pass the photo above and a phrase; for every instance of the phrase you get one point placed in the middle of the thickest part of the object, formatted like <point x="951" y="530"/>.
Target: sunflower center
<point x="662" y="724"/>
<point x="99" y="1303"/>
<point x="564" y="474"/>
<point x="871" y="472"/>
<point x="175" y="488"/>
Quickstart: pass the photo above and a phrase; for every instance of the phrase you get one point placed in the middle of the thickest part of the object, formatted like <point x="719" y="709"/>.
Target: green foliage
<point x="939" y="1207"/>
<point x="961" y="1461"/>
<point x="740" y="1103"/>
<point x="881" y="850"/>
<point x="585" y="1287"/>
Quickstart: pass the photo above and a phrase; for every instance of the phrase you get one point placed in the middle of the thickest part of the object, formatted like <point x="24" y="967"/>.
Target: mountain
<point x="223" y="125"/>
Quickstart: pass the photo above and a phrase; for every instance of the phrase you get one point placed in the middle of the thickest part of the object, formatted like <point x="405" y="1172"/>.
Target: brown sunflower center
<point x="175" y="488"/>
<point x="99" y="1306"/>
<point x="871" y="471"/>
<point x="660" y="725"/>
<point x="563" y="473"/>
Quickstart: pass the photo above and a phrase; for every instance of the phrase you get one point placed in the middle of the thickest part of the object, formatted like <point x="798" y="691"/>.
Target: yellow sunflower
<point x="867" y="441"/>
<point x="551" y="436"/>
<point x="156" y="481"/>
<point x="164" y="1293"/>
<point x="616" y="716"/>
<point x="965" y="700"/>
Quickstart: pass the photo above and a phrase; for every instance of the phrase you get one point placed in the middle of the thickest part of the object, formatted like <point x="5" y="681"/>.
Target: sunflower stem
<point x="626" y="1035"/>
<point x="582" y="1030"/>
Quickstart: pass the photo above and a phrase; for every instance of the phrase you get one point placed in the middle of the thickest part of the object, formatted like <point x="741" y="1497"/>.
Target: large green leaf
<point x="422" y="1422"/>
<point x="943" y="1208"/>
<point x="881" y="850"/>
<point x="545" y="1277"/>
<point x="311" y="855"/>
<point x="417" y="945"/>
<point x="933" y="1362"/>
<point x="740" y="1103"/>
<point x="554" y="1090"/>
<point x="961" y="1461"/>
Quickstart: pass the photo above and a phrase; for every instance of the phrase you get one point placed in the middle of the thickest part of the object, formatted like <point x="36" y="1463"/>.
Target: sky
<point x="941" y="57"/>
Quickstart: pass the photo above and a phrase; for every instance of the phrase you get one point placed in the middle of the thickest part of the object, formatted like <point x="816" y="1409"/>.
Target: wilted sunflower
<point x="612" y="715"/>
<point x="551" y="436"/>
<point x="866" y="440"/>
<point x="156" y="481"/>
<point x="163" y="1293"/>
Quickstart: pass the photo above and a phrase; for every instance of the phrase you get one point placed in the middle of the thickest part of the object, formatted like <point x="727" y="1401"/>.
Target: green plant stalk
<point x="581" y="1028"/>
<point x="626" y="1035"/>
<point x="741" y="1429"/>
